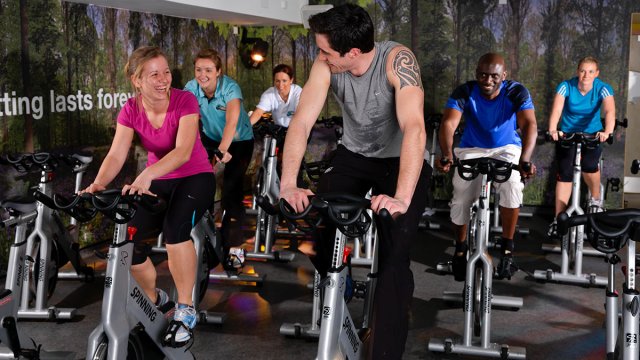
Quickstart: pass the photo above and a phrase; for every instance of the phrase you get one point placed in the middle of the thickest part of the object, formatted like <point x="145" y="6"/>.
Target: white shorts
<point x="466" y="192"/>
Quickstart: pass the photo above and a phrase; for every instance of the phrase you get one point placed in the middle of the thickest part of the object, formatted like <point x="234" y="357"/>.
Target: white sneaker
<point x="188" y="316"/>
<point x="235" y="259"/>
<point x="552" y="232"/>
<point x="595" y="206"/>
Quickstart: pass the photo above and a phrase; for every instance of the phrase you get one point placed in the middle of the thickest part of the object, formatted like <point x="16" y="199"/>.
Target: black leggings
<point x="356" y="174"/>
<point x="187" y="199"/>
<point x="589" y="161"/>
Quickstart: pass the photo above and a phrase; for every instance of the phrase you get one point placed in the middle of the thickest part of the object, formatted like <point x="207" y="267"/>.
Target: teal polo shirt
<point x="213" y="111"/>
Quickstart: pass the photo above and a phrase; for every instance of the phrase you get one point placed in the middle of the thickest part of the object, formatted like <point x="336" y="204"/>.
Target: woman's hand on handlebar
<point x="139" y="186"/>
<point x="603" y="136"/>
<point x="394" y="206"/>
<point x="92" y="188"/>
<point x="222" y="156"/>
<point x="556" y="135"/>
<point x="297" y="197"/>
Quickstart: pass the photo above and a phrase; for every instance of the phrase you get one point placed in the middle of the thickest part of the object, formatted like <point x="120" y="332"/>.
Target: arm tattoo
<point x="405" y="66"/>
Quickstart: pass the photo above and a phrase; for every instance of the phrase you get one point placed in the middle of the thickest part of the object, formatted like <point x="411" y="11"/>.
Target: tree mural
<point x="70" y="56"/>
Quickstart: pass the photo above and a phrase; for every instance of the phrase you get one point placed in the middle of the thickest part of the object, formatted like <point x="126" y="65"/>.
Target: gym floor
<point x="557" y="321"/>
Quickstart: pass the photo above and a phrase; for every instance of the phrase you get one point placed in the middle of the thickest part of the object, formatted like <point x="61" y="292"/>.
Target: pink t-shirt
<point x="159" y="142"/>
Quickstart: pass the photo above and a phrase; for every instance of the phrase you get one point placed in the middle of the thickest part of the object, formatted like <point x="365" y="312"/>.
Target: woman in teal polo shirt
<point x="579" y="105"/>
<point x="228" y="138"/>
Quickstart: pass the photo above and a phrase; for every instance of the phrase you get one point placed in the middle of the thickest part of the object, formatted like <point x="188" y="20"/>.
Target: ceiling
<point x="239" y="12"/>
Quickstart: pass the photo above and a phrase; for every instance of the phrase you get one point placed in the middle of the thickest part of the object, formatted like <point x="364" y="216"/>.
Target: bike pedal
<point x="359" y="289"/>
<point x="364" y="334"/>
<point x="88" y="273"/>
<point x="167" y="308"/>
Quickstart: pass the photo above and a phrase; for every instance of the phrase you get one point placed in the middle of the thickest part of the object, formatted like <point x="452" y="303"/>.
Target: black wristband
<point x="218" y="153"/>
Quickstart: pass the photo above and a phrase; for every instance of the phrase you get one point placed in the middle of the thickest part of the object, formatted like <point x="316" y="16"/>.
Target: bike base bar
<point x="237" y="277"/>
<point x="493" y="350"/>
<point x="507" y="302"/>
<point x="282" y="255"/>
<point x="72" y="275"/>
<point x="582" y="279"/>
<point x="206" y="317"/>
<point x="301" y="331"/>
<point x="48" y="314"/>
<point x="552" y="248"/>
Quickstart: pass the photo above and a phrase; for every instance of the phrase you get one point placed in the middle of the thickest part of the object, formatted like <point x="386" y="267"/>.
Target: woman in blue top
<point x="577" y="108"/>
<point x="228" y="138"/>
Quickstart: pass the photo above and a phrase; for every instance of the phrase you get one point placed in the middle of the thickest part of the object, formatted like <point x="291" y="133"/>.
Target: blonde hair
<point x="137" y="59"/>
<point x="589" y="59"/>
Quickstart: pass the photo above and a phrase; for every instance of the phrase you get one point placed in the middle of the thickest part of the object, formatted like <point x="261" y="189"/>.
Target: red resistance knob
<point x="131" y="230"/>
<point x="346" y="253"/>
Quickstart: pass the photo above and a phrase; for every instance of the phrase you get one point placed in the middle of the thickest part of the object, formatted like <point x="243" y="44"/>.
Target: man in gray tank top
<point x="379" y="89"/>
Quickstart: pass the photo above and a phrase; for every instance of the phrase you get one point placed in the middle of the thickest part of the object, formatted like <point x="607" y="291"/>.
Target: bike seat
<point x="85" y="159"/>
<point x="21" y="205"/>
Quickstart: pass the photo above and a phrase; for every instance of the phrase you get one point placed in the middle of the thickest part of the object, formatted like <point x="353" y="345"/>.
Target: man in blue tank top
<point x="494" y="109"/>
<point x="379" y="89"/>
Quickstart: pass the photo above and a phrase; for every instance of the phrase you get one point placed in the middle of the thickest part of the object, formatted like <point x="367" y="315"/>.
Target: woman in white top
<point x="281" y="99"/>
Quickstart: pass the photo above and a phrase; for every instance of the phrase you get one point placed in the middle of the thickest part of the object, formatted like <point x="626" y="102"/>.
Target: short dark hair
<point x="212" y="55"/>
<point x="346" y="26"/>
<point x="283" y="68"/>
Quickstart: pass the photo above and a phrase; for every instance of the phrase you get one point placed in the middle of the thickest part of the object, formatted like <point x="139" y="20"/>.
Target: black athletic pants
<point x="356" y="174"/>
<point x="232" y="188"/>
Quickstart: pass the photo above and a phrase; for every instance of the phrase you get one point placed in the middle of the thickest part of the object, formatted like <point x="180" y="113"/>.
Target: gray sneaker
<point x="162" y="297"/>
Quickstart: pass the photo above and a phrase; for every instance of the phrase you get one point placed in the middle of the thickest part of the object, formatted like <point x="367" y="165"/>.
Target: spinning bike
<point x="22" y="213"/>
<point x="609" y="232"/>
<point x="478" y="298"/>
<point x="268" y="186"/>
<point x="572" y="249"/>
<point x="338" y="336"/>
<point x="51" y="244"/>
<point x="127" y="313"/>
<point x="206" y="243"/>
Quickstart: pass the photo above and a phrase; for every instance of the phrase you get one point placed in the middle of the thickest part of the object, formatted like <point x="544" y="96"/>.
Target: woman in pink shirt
<point x="177" y="170"/>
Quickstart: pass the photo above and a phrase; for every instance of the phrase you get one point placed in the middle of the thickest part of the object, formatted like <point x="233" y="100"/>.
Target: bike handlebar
<point x="330" y="121"/>
<point x="590" y="141"/>
<point x="24" y="162"/>
<point x="263" y="128"/>
<point x="635" y="166"/>
<point x="496" y="170"/>
<point x="607" y="231"/>
<point x="345" y="210"/>
<point x="84" y="207"/>
<point x="433" y="120"/>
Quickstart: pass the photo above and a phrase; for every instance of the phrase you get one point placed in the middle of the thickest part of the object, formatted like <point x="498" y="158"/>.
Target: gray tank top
<point x="369" y="109"/>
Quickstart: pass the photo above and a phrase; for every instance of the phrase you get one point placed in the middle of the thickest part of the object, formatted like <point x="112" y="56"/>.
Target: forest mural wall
<point x="62" y="84"/>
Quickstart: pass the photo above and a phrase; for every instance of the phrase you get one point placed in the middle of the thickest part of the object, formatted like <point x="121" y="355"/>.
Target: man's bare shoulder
<point x="403" y="66"/>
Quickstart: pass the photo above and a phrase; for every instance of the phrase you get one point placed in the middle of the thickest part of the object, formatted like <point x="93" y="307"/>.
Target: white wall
<point x="236" y="12"/>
